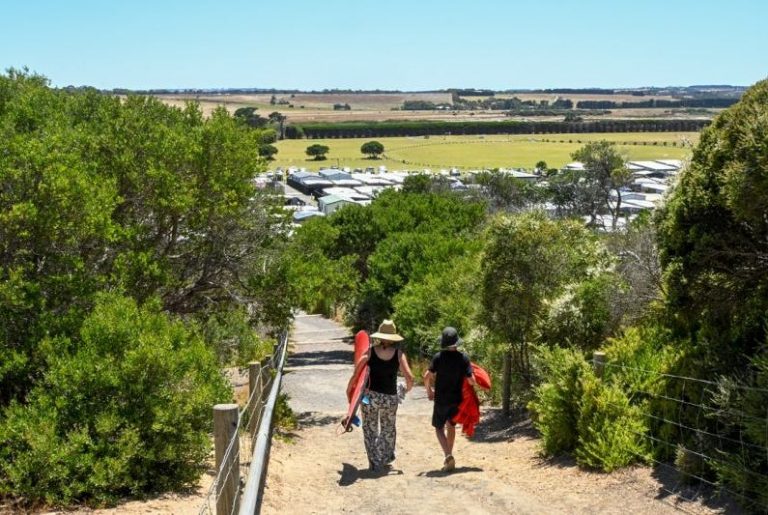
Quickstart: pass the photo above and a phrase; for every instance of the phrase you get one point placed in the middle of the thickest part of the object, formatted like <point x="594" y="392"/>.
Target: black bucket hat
<point x="450" y="338"/>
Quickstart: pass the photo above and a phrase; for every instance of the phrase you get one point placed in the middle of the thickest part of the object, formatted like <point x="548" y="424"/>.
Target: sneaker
<point x="449" y="464"/>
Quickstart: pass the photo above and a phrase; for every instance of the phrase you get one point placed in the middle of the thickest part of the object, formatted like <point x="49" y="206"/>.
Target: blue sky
<point x="393" y="44"/>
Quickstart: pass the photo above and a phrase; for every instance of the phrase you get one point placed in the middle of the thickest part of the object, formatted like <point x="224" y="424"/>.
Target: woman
<point x="379" y="406"/>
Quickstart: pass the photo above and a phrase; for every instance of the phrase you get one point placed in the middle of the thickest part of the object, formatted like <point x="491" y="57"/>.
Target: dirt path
<point x="498" y="471"/>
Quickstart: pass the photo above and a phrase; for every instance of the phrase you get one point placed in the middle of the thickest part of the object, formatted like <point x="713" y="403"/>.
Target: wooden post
<point x="266" y="370"/>
<point x="598" y="362"/>
<point x="225" y="417"/>
<point x="254" y="392"/>
<point x="506" y="391"/>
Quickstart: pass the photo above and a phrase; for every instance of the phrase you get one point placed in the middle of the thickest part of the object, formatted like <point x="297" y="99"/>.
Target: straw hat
<point x="388" y="332"/>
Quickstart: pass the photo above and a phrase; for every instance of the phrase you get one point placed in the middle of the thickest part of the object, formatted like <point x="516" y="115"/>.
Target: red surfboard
<point x="362" y="344"/>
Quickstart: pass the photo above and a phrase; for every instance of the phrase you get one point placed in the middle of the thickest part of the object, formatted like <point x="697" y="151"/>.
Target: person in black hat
<point x="447" y="371"/>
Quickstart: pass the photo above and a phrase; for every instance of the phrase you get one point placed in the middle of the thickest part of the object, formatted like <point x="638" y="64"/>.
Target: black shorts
<point x="443" y="413"/>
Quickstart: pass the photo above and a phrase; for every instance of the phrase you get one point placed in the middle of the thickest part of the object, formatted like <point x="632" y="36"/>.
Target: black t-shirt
<point x="450" y="368"/>
<point x="383" y="373"/>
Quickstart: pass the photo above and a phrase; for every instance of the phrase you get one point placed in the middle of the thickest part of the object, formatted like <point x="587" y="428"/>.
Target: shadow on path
<point x="330" y="357"/>
<point x="495" y="427"/>
<point x="457" y="470"/>
<point x="314" y="419"/>
<point x="350" y="474"/>
<point x="674" y="488"/>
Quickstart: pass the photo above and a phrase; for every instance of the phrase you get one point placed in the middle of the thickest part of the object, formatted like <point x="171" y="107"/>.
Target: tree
<point x="317" y="151"/>
<point x="373" y="149"/>
<point x="529" y="260"/>
<point x="267" y="151"/>
<point x="713" y="237"/>
<point x="250" y="117"/>
<point x="279" y="119"/>
<point x="602" y="180"/>
<point x="541" y="167"/>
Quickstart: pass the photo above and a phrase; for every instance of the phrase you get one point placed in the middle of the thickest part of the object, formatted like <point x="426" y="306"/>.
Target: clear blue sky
<point x="393" y="44"/>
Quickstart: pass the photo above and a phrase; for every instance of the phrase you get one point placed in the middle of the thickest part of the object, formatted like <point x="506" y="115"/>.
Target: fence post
<point x="598" y="362"/>
<point x="225" y="418"/>
<point x="266" y="370"/>
<point x="255" y="393"/>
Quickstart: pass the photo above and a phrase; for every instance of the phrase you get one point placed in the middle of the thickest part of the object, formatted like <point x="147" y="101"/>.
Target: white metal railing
<point x="242" y="438"/>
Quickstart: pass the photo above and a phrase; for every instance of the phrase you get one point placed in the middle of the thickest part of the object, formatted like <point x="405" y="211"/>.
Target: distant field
<point x="466" y="152"/>
<point x="307" y="105"/>
<point x="318" y="107"/>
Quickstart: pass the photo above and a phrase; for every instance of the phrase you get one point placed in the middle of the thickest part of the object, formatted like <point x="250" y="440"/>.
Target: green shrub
<point x="125" y="410"/>
<point x="233" y="338"/>
<point x="611" y="430"/>
<point x="555" y="407"/>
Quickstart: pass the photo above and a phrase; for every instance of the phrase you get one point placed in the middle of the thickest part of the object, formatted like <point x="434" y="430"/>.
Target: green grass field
<point x="466" y="152"/>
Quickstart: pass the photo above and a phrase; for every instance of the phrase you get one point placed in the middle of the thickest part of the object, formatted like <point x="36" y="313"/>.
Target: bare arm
<point x="406" y="370"/>
<point x="429" y="378"/>
<point x="358" y="368"/>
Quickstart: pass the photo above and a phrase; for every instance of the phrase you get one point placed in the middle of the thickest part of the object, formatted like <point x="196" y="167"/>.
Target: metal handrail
<point x="251" y="500"/>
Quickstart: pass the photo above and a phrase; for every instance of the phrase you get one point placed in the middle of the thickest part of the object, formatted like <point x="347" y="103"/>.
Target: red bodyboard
<point x="362" y="344"/>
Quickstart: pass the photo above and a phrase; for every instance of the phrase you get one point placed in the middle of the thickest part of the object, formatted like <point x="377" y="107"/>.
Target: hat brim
<point x="459" y="342"/>
<point x="388" y="337"/>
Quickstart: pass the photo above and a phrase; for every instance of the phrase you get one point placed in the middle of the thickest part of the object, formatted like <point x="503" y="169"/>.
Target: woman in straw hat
<point x="384" y="359"/>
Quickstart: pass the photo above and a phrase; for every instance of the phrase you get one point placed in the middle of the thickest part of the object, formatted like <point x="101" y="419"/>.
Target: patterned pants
<point x="379" y="427"/>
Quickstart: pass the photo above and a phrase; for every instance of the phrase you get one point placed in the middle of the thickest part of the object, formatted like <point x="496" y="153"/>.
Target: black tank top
<point x="383" y="374"/>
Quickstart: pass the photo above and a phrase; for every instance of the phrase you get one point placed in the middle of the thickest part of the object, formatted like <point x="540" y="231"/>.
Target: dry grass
<point x="309" y="107"/>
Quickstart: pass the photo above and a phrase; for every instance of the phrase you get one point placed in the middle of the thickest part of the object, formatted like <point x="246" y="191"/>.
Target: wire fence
<point x="235" y="457"/>
<point x="700" y="434"/>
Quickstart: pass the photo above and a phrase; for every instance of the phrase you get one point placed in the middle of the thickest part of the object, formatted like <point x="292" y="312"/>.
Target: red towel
<point x="469" y="409"/>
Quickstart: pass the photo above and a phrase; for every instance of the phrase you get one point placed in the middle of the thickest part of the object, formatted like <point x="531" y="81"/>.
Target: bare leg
<point x="440" y="432"/>
<point x="451" y="437"/>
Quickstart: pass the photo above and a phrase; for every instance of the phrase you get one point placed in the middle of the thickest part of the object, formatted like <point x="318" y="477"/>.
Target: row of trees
<point x="658" y="103"/>
<point x="136" y="259"/>
<point x="423" y="128"/>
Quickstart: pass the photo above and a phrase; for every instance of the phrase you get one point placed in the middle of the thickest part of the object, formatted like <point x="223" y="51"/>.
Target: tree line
<point x="658" y="103"/>
<point x="423" y="128"/>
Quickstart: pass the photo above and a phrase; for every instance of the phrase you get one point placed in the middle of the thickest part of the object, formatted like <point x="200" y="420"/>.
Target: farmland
<point x="522" y="151"/>
<point x="318" y="107"/>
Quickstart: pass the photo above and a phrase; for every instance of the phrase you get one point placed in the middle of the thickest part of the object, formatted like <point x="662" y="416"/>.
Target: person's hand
<point x="408" y="385"/>
<point x="431" y="394"/>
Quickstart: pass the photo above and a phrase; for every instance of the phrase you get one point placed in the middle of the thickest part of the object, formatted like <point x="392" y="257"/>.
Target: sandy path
<point x="498" y="471"/>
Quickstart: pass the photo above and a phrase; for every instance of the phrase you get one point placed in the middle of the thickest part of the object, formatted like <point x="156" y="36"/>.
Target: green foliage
<point x="598" y="187"/>
<point x="362" y="257"/>
<point x="611" y="430"/>
<point x="504" y="192"/>
<point x="250" y="117"/>
<point x="122" y="409"/>
<point x="267" y="151"/>
<point x="555" y="407"/>
<point x="366" y="129"/>
<point x="581" y="316"/>
<point x="372" y="149"/>
<point x="713" y="237"/>
<point x="530" y="261"/>
<point x="445" y="296"/>
<point x="129" y="195"/>
<point x="231" y="336"/>
<point x="318" y="281"/>
<point x="317" y="151"/>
